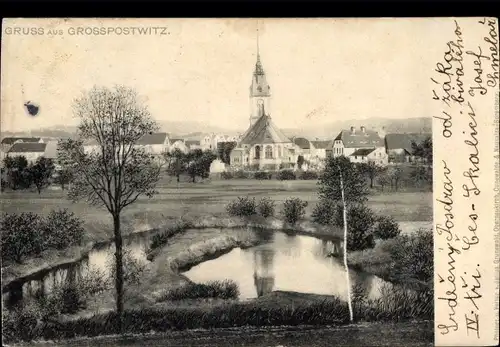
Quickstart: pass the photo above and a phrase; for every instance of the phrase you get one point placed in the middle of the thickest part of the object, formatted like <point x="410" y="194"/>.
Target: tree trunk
<point x="371" y="183"/>
<point x="194" y="179"/>
<point x="119" y="270"/>
<point x="345" y="248"/>
<point x="178" y="178"/>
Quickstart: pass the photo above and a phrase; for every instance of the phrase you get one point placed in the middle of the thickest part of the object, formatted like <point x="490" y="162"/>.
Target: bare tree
<point x="115" y="171"/>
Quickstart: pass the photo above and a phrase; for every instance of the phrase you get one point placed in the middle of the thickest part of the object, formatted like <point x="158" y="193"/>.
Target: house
<point x="303" y="147"/>
<point x="155" y="143"/>
<point x="178" y="144"/>
<point x="30" y="150"/>
<point x="193" y="144"/>
<point x="349" y="141"/>
<point x="319" y="148"/>
<point x="399" y="146"/>
<point x="366" y="155"/>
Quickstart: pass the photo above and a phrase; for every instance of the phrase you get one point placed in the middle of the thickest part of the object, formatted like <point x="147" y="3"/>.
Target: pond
<point x="286" y="262"/>
<point x="281" y="261"/>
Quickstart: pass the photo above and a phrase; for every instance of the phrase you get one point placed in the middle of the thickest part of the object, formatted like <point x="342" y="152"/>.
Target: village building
<point x="156" y="143"/>
<point x="193" y="144"/>
<point x="366" y="155"/>
<point x="399" y="146"/>
<point x="179" y="144"/>
<point x="263" y="146"/>
<point x="30" y="150"/>
<point x="349" y="141"/>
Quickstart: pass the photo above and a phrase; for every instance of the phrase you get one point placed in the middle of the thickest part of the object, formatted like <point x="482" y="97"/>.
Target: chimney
<point x="363" y="129"/>
<point x="353" y="130"/>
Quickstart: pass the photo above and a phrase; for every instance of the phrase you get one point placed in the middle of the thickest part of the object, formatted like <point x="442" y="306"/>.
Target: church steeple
<point x="260" y="91"/>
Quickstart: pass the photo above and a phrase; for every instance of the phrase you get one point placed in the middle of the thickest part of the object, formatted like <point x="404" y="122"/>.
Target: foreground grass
<point x="272" y="310"/>
<point x="214" y="289"/>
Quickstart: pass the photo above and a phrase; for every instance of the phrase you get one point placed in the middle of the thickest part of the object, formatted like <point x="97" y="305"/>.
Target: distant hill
<point x="194" y="130"/>
<point x="409" y="125"/>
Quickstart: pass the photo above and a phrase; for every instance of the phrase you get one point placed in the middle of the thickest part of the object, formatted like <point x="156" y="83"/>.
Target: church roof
<point x="264" y="131"/>
<point x="360" y="139"/>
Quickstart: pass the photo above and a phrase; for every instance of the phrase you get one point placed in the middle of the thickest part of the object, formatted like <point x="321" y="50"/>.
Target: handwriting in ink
<point x="474" y="294"/>
<point x="492" y="39"/>
<point x="451" y="295"/>
<point x="472" y="323"/>
<point x="472" y="172"/>
<point x="474" y="240"/>
<point x="447" y="202"/>
<point x="479" y="72"/>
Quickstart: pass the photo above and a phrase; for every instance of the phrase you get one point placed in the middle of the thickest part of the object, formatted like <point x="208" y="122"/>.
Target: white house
<point x="178" y="144"/>
<point x="30" y="150"/>
<point x="366" y="155"/>
<point x="193" y="144"/>
<point x="349" y="141"/>
<point x="156" y="143"/>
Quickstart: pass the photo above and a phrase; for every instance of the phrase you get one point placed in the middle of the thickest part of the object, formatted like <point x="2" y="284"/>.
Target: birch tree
<point x="114" y="172"/>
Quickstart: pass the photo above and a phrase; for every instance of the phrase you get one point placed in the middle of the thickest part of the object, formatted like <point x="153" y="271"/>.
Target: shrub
<point x="20" y="236"/>
<point x="226" y="175"/>
<point x="294" y="209"/>
<point x="308" y="175"/>
<point x="61" y="229"/>
<point x="241" y="174"/>
<point x="226" y="289"/>
<point x="386" y="228"/>
<point x="242" y="207"/>
<point x="285" y="175"/>
<point x="266" y="207"/>
<point x="413" y="255"/>
<point x="360" y="223"/>
<point x="324" y="211"/>
<point x="262" y="175"/>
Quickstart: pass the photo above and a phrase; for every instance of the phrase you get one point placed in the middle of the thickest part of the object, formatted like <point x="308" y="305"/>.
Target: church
<point x="263" y="146"/>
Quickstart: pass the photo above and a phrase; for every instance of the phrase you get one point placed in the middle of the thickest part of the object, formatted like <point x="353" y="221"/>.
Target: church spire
<point x="259" y="70"/>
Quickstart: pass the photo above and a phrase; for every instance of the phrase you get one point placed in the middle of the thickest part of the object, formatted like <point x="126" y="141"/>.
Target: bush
<point x="241" y="174"/>
<point x="226" y="289"/>
<point x="324" y="211"/>
<point x="226" y="175"/>
<point x="266" y="207"/>
<point x="294" y="209"/>
<point x="242" y="207"/>
<point x="262" y="175"/>
<point x="61" y="229"/>
<point x="360" y="223"/>
<point x="308" y="175"/>
<point x="21" y="236"/>
<point x="132" y="267"/>
<point x="285" y="175"/>
<point x="386" y="228"/>
<point x="413" y="255"/>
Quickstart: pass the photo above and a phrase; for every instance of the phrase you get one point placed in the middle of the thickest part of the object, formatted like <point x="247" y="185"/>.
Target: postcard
<point x="250" y="182"/>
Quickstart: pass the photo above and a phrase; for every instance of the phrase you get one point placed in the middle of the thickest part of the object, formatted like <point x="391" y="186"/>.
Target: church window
<point x="257" y="152"/>
<point x="269" y="152"/>
<point x="259" y="88"/>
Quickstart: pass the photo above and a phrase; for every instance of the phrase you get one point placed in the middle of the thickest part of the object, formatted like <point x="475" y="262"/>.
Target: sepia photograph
<point x="250" y="182"/>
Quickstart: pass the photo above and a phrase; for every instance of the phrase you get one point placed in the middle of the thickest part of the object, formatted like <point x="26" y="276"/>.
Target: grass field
<point x="207" y="198"/>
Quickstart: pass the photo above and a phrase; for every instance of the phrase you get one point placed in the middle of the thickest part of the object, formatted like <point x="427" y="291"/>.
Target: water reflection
<point x="263" y="260"/>
<point x="286" y="263"/>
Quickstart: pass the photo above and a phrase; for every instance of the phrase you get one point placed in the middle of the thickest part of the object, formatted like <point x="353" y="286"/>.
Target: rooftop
<point x="27" y="147"/>
<point x="357" y="138"/>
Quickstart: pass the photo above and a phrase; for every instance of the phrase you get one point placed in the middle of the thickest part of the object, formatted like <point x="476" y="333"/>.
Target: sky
<point x="319" y="70"/>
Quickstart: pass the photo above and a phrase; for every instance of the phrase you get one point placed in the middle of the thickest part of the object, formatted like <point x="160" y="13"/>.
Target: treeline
<point x="28" y="234"/>
<point x="195" y="163"/>
<point x="18" y="174"/>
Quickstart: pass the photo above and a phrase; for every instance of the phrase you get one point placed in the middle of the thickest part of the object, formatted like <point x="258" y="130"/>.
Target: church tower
<point x="260" y="92"/>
